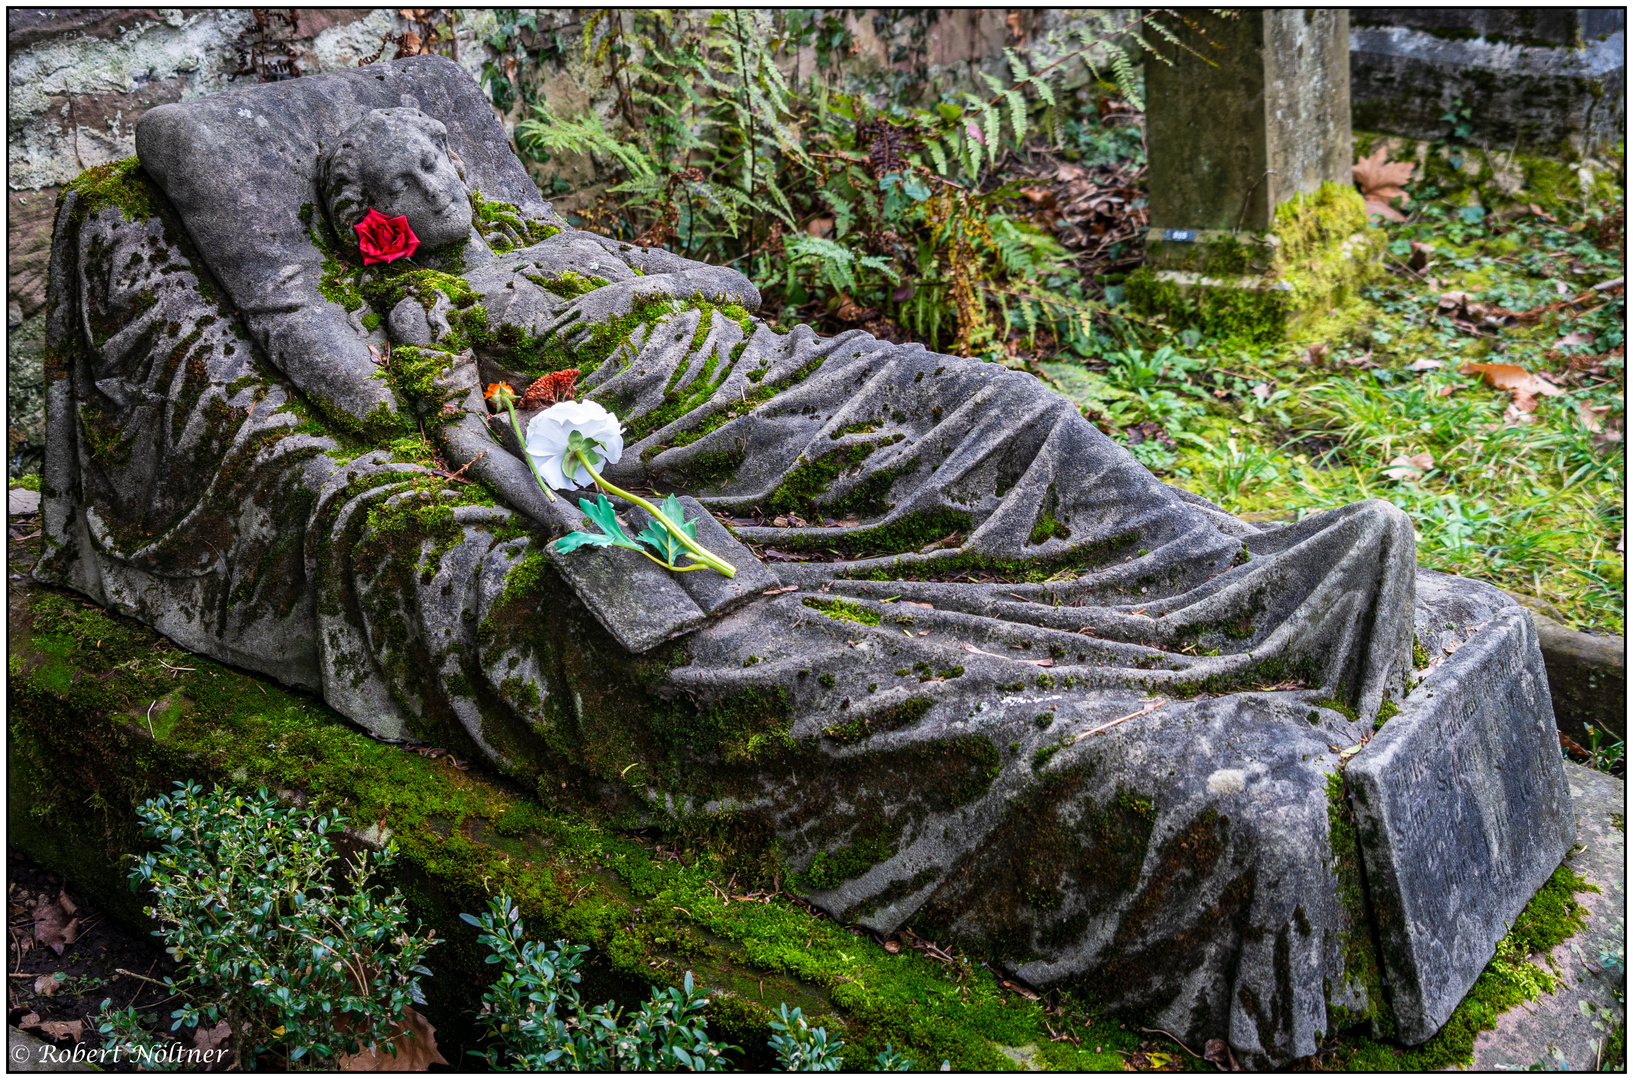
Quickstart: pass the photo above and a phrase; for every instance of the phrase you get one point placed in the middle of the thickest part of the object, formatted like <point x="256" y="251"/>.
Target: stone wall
<point x="1549" y="81"/>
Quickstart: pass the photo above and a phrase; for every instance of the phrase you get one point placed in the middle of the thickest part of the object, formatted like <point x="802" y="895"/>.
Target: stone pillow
<point x="241" y="166"/>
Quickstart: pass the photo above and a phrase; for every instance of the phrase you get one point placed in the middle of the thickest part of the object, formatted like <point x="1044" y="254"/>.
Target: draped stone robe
<point x="1032" y="696"/>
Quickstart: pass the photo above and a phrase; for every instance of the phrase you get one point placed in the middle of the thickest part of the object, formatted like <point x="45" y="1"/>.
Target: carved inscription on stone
<point x="1463" y="811"/>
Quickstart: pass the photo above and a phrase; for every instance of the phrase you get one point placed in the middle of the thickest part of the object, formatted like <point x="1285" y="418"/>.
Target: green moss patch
<point x="82" y="757"/>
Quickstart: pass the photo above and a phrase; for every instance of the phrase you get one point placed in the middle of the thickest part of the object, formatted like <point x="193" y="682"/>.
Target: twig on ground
<point x="1150" y="707"/>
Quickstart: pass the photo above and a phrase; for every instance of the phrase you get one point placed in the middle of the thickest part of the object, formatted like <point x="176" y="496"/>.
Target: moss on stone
<point x="569" y="284"/>
<point x="838" y="608"/>
<point x="1047" y="527"/>
<point x="877" y="723"/>
<point x="1552" y="917"/>
<point x="498" y="222"/>
<point x="1355" y="943"/>
<point x="122" y="185"/>
<point x="1320" y="251"/>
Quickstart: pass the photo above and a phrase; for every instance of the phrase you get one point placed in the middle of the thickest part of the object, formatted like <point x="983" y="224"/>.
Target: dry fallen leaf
<point x="61" y="1029"/>
<point x="1218" y="1052"/>
<point x="52" y="925"/>
<point x="1516" y="380"/>
<point x="416" y="1043"/>
<point x="47" y="985"/>
<point x="1575" y="337"/>
<point x="1410" y="468"/>
<point x="1421" y="254"/>
<point x="1424" y="365"/>
<point x="1446" y="391"/>
<point x="1262" y="392"/>
<point x="213" y="1038"/>
<point x="1363" y="361"/>
<point x="1380" y="181"/>
<point x="1316" y="355"/>
<point x="820" y="226"/>
<point x="1514" y="414"/>
<point x="893" y="947"/>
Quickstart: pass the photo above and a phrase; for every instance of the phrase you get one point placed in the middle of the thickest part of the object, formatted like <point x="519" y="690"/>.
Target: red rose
<point x="383" y="239"/>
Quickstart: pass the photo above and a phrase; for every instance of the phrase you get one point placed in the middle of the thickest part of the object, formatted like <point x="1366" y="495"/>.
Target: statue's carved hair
<point x="340" y="171"/>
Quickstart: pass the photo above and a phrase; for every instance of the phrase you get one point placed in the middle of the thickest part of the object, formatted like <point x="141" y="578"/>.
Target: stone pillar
<point x="1231" y="142"/>
<point x="1259" y="120"/>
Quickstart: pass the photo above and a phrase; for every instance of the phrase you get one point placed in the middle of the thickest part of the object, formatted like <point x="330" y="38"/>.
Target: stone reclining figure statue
<point x="994" y="678"/>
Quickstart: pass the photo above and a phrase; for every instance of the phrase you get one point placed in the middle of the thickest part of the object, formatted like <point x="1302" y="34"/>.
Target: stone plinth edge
<point x="1463" y="812"/>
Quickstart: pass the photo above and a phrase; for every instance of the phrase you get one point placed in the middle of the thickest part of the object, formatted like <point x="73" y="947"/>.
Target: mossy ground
<point x="1532" y="502"/>
<point x="104" y="715"/>
<point x="82" y="756"/>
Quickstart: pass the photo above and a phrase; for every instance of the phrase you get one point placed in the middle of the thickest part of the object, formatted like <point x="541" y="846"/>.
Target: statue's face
<point x="410" y="176"/>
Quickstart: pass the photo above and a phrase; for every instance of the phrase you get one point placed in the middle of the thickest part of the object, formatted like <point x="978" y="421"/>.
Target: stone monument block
<point x="1463" y="812"/>
<point x="1248" y="132"/>
<point x="1257" y="114"/>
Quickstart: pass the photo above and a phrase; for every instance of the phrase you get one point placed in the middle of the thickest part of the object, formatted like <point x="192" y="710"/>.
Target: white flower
<point x="547" y="441"/>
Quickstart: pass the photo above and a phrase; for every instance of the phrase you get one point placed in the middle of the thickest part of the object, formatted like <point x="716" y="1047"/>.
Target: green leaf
<point x="675" y="512"/>
<point x="605" y="518"/>
<point x="939" y="156"/>
<point x="1017" y="115"/>
<point x="990" y="120"/>
<point x="661" y="539"/>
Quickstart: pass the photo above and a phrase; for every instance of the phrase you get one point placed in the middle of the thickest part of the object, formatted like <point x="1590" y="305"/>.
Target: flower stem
<point x="698" y="551"/>
<point x="510" y="406"/>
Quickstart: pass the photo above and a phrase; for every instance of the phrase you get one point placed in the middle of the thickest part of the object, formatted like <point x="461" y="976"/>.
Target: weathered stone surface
<point x="1464" y="811"/>
<point x="1544" y="80"/>
<point x="28" y="229"/>
<point x="1285" y="75"/>
<point x="21" y="502"/>
<point x="1569" y="1030"/>
<point x="1021" y="691"/>
<point x="1587" y="679"/>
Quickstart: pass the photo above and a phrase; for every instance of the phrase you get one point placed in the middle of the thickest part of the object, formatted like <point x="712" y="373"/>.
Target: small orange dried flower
<point x="551" y="388"/>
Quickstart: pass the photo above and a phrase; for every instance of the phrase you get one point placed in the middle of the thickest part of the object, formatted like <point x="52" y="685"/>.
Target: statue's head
<point x="396" y="161"/>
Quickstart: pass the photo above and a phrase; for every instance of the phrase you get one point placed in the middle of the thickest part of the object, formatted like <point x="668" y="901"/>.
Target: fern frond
<point x="1017" y="67"/>
<point x="1045" y="91"/>
<point x="1125" y="80"/>
<point x="937" y="155"/>
<point x="844" y="211"/>
<point x="1017" y="114"/>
